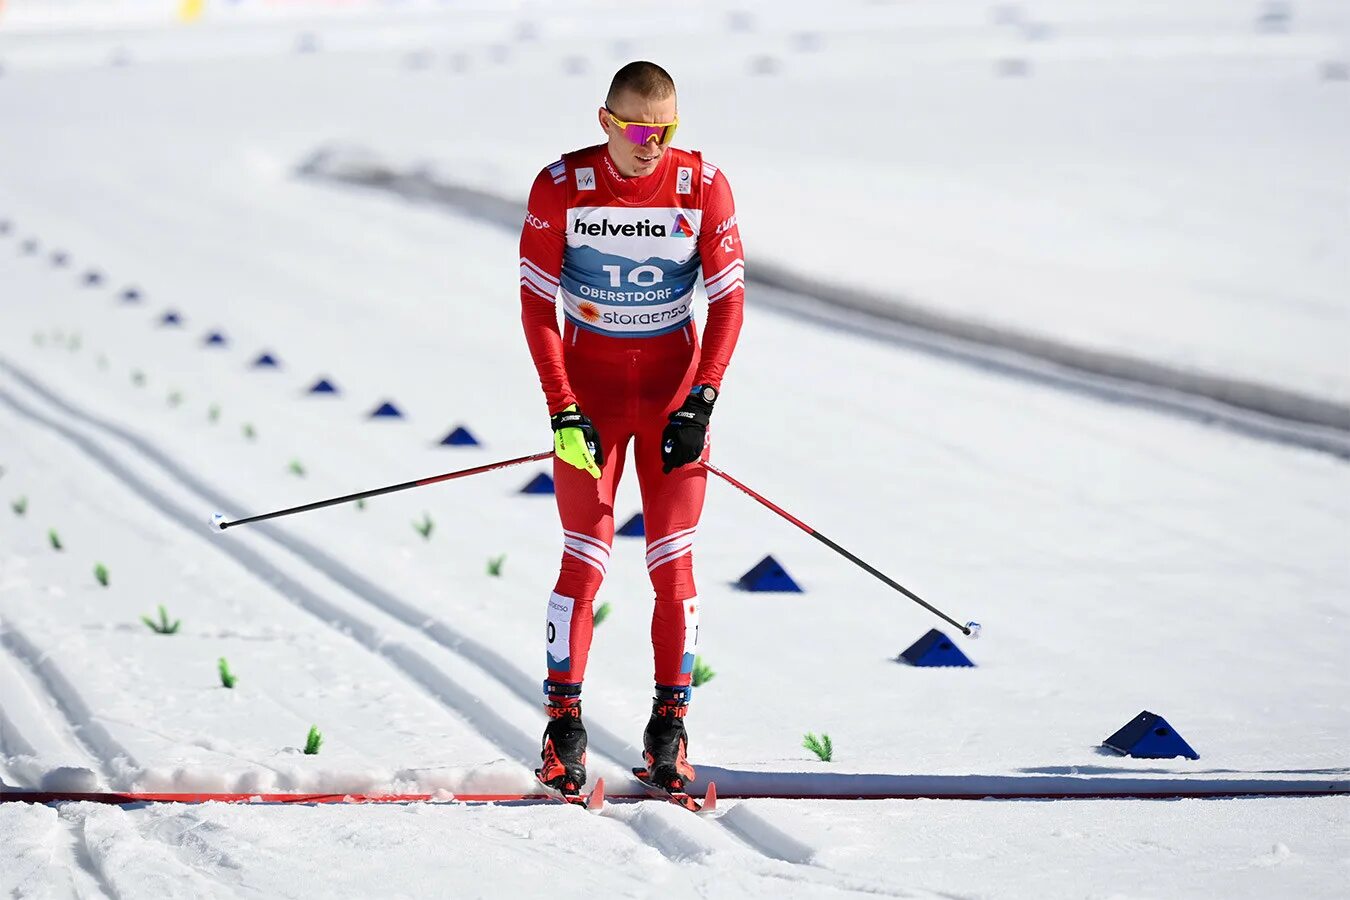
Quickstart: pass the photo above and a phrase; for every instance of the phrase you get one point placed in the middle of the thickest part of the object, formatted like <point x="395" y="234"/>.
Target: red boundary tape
<point x="127" y="798"/>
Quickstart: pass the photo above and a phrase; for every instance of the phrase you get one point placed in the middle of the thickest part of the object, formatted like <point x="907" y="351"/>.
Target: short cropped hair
<point x="646" y="79"/>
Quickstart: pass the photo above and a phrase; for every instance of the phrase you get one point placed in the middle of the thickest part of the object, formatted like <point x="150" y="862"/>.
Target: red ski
<point x="592" y="802"/>
<point x="680" y="798"/>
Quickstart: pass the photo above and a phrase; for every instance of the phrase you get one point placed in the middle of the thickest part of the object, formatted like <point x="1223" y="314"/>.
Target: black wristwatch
<point x="705" y="392"/>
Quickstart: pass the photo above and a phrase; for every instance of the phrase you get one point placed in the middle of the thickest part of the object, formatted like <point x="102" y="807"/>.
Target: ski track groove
<point x="669" y="831"/>
<point x="416" y="667"/>
<point x="82" y="855"/>
<point x="496" y="729"/>
<point x="100" y="746"/>
<point x="113" y="848"/>
<point x="12" y="742"/>
<point x="19" y="758"/>
<point x="771" y="840"/>
<point x="40" y="861"/>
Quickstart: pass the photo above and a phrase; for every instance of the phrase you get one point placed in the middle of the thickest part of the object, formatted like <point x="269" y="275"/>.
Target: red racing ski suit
<point x="624" y="254"/>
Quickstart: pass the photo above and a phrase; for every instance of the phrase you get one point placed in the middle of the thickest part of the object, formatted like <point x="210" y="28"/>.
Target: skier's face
<point x="636" y="160"/>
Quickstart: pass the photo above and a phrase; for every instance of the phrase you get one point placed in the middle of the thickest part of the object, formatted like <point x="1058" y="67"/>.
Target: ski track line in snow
<point x="14" y="747"/>
<point x="744" y="822"/>
<point x="101" y="854"/>
<point x="31" y="742"/>
<point x="1250" y="408"/>
<point x="102" y="749"/>
<point x="127" y="864"/>
<point x="50" y="857"/>
<point x="496" y="729"/>
<point x="413" y="665"/>
<point x="81" y="855"/>
<point x="667" y="828"/>
<point x="12" y="742"/>
<point x="37" y="855"/>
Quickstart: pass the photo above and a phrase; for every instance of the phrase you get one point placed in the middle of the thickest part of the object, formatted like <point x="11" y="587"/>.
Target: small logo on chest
<point x="585" y="179"/>
<point x="684" y="180"/>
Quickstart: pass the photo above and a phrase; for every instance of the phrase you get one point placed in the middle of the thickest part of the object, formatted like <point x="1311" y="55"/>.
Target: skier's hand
<point x="576" y="442"/>
<point x="682" y="441"/>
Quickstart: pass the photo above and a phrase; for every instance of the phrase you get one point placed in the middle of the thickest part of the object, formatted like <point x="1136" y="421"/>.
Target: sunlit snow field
<point x="1166" y="179"/>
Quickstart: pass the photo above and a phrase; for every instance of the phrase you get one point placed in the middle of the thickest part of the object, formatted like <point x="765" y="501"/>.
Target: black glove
<point x="682" y="441"/>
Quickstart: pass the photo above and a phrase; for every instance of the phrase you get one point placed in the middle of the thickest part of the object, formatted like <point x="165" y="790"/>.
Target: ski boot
<point x="664" y="742"/>
<point x="564" y="745"/>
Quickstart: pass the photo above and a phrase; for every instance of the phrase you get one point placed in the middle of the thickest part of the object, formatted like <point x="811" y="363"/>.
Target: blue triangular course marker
<point x="386" y="410"/>
<point x="171" y="318"/>
<point x="460" y="437"/>
<point x="60" y="259"/>
<point x="131" y="295"/>
<point x="323" y="386"/>
<point x="215" y="339"/>
<point x="935" y="649"/>
<point x="768" y="575"/>
<point x="92" y="278"/>
<point x="539" y="484"/>
<point x="1148" y="736"/>
<point x="266" y="361"/>
<point x="634" y="527"/>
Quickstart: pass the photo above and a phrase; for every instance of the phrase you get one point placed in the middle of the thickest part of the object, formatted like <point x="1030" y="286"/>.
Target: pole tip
<point x="972" y="630"/>
<point x="217" y="521"/>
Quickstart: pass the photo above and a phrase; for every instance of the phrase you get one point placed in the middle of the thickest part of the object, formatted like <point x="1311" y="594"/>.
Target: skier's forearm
<point x="719" y="338"/>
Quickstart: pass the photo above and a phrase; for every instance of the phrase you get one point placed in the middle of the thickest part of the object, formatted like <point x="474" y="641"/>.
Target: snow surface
<point x="1269" y="848"/>
<point x="1119" y="560"/>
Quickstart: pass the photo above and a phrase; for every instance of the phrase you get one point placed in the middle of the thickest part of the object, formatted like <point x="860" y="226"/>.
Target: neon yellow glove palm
<point x="576" y="442"/>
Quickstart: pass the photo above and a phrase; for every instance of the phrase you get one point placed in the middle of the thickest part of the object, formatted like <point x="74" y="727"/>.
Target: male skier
<point x="621" y="232"/>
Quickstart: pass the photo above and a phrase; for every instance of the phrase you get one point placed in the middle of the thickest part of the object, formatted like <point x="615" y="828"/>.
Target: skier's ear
<point x="603" y="119"/>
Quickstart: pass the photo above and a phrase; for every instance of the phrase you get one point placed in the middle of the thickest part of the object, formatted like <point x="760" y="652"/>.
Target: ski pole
<point x="218" y="520"/>
<point x="970" y="629"/>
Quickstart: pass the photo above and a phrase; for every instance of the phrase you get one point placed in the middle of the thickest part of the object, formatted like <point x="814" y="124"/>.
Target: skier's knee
<point x="670" y="564"/>
<point x="584" y="563"/>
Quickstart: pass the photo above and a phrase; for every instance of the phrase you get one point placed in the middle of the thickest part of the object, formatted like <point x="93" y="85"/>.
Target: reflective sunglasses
<point x="642" y="132"/>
